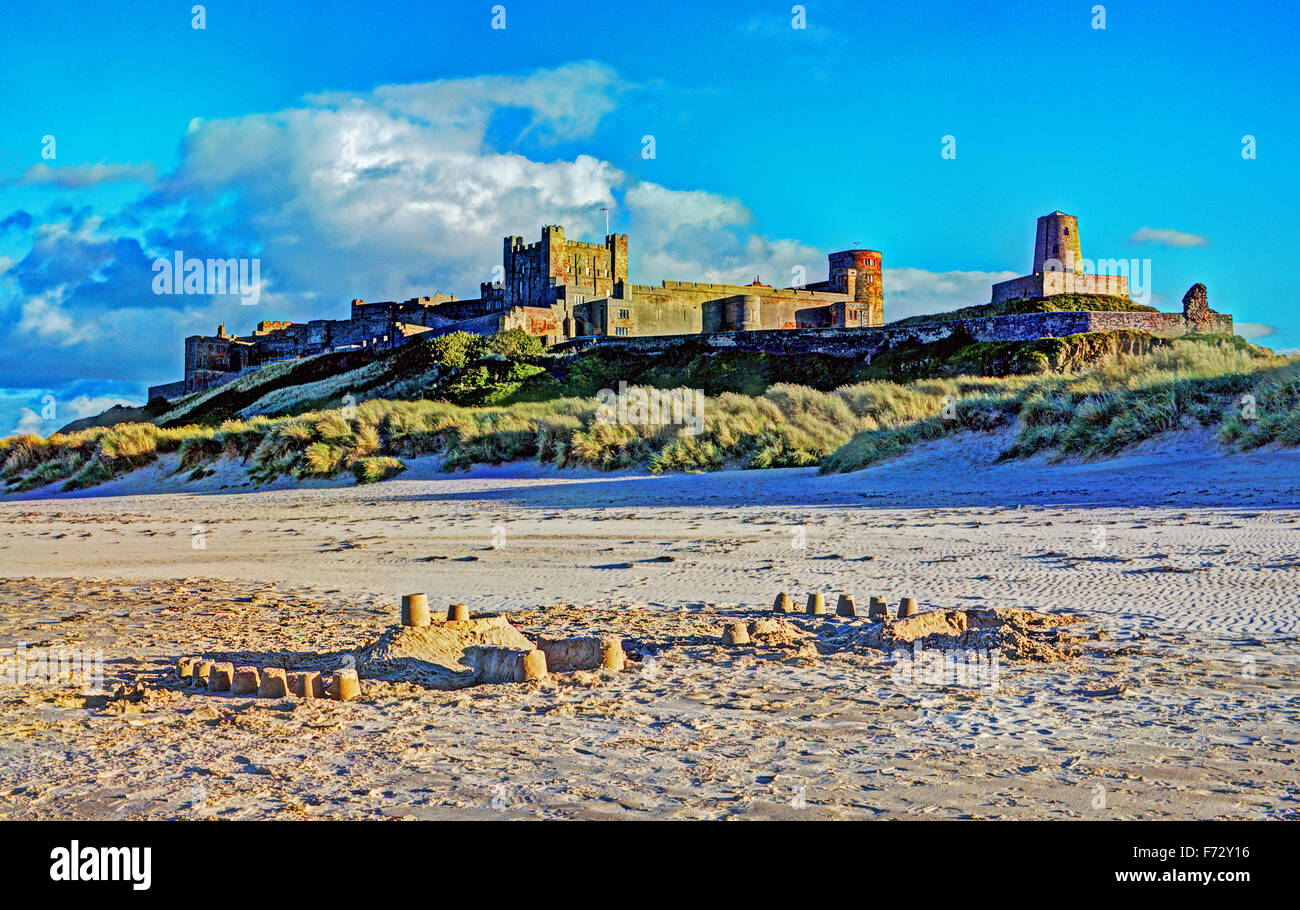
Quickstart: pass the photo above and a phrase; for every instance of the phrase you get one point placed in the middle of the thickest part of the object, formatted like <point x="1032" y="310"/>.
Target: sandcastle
<point x="1014" y="632"/>
<point x="448" y="651"/>
<point x="263" y="682"/>
<point x="463" y="650"/>
<point x="846" y="606"/>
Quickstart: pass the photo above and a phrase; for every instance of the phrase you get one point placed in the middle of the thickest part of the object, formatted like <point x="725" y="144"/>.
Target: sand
<point x="1183" y="700"/>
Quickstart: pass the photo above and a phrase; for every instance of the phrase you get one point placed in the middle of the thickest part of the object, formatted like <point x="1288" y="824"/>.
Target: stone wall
<point x="687" y="307"/>
<point x="170" y="391"/>
<point x="1050" y="284"/>
<point x="868" y="342"/>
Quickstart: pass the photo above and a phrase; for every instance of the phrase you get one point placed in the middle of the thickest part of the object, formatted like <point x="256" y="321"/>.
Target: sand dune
<point x="1185" y="561"/>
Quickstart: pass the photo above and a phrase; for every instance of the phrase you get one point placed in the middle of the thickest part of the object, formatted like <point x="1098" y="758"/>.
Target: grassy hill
<point x="475" y="400"/>
<point x="1090" y="395"/>
<point x="1057" y="304"/>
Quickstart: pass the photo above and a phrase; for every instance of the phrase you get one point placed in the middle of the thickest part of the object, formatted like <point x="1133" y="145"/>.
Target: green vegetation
<point x="1055" y="304"/>
<point x="1103" y="410"/>
<point x="1135" y="390"/>
<point x="487" y="401"/>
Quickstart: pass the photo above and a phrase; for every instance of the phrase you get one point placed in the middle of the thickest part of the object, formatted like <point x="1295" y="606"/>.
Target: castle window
<point x="621" y="330"/>
<point x="624" y="314"/>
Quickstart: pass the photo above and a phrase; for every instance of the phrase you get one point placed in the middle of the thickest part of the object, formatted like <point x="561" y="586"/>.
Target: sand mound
<point x="1016" y="634"/>
<point x="776" y="633"/>
<point x="439" y="656"/>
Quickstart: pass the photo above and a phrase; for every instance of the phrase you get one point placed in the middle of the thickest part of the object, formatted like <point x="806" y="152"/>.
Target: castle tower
<point x="858" y="274"/>
<point x="1056" y="247"/>
<point x="1059" y="266"/>
<point x="554" y="259"/>
<point x="617" y="246"/>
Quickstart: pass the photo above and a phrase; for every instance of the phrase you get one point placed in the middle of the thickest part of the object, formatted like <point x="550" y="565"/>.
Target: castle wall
<point x="868" y="342"/>
<point x="544" y="322"/>
<point x="170" y="390"/>
<point x="684" y="307"/>
<point x="1050" y="284"/>
<point x="487" y="324"/>
<point x="1084" y="283"/>
<point x="557" y="288"/>
<point x="1022" y="288"/>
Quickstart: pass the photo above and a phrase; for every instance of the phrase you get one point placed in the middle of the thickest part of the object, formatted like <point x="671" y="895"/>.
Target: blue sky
<point x="381" y="150"/>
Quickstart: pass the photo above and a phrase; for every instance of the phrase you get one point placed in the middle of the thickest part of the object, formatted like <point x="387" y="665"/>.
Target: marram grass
<point x="1250" y="396"/>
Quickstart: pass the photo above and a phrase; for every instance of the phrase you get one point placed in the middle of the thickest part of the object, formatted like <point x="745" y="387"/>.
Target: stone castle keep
<point x="571" y="292"/>
<point x="558" y="290"/>
<point x="1058" y="266"/>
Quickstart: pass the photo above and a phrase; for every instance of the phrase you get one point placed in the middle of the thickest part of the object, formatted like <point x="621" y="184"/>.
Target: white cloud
<point x="1168" y="237"/>
<point x="28" y="422"/>
<point x="47" y="322"/>
<point x="397" y="192"/>
<point x="386" y="194"/>
<point x="81" y="176"/>
<point x="917" y="292"/>
<point x="1253" y="331"/>
<point x="692" y="235"/>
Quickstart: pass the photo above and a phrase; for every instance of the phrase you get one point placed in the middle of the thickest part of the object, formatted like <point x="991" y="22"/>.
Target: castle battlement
<point x="557" y="289"/>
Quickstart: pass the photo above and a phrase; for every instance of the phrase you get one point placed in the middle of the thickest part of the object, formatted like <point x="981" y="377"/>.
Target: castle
<point x="558" y="290"/>
<point x="1058" y="266"/>
<point x="566" y="291"/>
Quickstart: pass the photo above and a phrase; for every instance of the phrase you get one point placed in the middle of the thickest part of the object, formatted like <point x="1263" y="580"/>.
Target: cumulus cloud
<point x="397" y="191"/>
<point x="28" y="422"/>
<point x="81" y="176"/>
<point x="63" y="412"/>
<point x="1168" y="237"/>
<point x="384" y="194"/>
<point x="916" y="292"/>
<point x="692" y="235"/>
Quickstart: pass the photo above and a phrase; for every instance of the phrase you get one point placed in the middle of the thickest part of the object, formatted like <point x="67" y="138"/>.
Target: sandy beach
<point x="1183" y="700"/>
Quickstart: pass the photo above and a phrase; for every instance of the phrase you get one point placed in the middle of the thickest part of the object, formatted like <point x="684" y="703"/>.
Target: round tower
<point x="1056" y="246"/>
